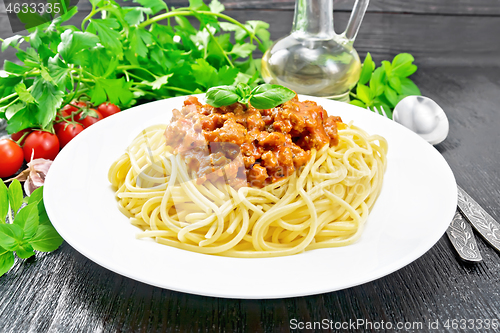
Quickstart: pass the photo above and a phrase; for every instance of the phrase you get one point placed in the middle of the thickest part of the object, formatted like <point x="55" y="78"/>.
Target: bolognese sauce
<point x="270" y="144"/>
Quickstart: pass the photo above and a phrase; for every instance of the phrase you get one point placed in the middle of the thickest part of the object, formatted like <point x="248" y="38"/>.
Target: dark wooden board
<point x="456" y="44"/>
<point x="449" y="40"/>
<point x="65" y="292"/>
<point x="456" y="7"/>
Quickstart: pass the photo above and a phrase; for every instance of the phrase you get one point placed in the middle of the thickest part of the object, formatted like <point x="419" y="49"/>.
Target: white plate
<point x="415" y="207"/>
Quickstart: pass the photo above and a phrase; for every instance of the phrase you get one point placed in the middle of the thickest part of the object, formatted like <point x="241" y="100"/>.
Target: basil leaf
<point x="15" y="195"/>
<point x="402" y="59"/>
<point x="4" y="202"/>
<point x="11" y="235"/>
<point x="391" y="96"/>
<point x="27" y="219"/>
<point x="409" y="88"/>
<point x="357" y="102"/>
<point x="268" y="96"/>
<point x="46" y="239"/>
<point x="43" y="218"/>
<point x="395" y="84"/>
<point x="222" y="96"/>
<point x="402" y="65"/>
<point x="364" y="93"/>
<point x="244" y="91"/>
<point x="6" y="261"/>
<point x="367" y="69"/>
<point x="407" y="71"/>
<point x="25" y="251"/>
<point x="387" y="66"/>
<point x="376" y="81"/>
<point x="36" y="196"/>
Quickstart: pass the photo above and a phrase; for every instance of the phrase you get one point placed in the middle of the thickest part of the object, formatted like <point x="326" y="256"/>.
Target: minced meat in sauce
<point x="273" y="142"/>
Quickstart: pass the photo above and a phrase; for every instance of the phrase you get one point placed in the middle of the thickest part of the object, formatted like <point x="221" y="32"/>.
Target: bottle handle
<point x="358" y="12"/>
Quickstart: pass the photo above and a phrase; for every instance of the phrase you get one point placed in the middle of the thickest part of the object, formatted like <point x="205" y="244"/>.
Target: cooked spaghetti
<point x="194" y="196"/>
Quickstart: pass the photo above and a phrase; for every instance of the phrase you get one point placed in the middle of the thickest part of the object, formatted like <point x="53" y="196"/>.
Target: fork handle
<point x="483" y="222"/>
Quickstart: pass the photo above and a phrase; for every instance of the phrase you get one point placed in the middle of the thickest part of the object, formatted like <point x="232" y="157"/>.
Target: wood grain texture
<point x="65" y="292"/>
<point x="432" y="39"/>
<point x="455" y="7"/>
<point x="459" y="68"/>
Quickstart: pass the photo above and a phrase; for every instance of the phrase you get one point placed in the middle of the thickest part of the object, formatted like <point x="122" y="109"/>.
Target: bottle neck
<point x="313" y="19"/>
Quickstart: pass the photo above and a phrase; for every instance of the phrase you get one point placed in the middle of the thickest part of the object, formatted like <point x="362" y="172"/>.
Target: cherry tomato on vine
<point x="89" y="119"/>
<point x="11" y="157"/>
<point x="68" y="109"/>
<point x="18" y="135"/>
<point x="44" y="144"/>
<point x="66" y="132"/>
<point x="107" y="109"/>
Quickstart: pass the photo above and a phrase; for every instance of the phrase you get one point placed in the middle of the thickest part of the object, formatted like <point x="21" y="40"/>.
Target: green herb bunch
<point x="28" y="228"/>
<point x="387" y="85"/>
<point x="126" y="55"/>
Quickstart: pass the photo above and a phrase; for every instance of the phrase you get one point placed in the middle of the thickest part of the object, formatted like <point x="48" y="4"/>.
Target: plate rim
<point x="381" y="272"/>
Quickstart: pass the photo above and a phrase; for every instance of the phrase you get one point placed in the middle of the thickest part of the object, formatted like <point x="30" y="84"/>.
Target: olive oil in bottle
<point x="313" y="60"/>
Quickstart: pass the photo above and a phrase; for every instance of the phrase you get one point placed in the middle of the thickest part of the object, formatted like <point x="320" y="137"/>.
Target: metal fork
<point x="379" y="111"/>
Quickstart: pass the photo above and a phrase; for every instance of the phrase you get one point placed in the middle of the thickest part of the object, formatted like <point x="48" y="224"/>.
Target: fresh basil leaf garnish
<point x="268" y="96"/>
<point x="265" y="96"/>
<point x="221" y="96"/>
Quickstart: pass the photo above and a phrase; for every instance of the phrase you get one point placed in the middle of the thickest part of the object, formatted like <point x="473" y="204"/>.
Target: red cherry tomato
<point x="11" y="157"/>
<point x="44" y="144"/>
<point x="66" y="133"/>
<point x="68" y="109"/>
<point x="18" y="135"/>
<point x="89" y="119"/>
<point x="107" y="109"/>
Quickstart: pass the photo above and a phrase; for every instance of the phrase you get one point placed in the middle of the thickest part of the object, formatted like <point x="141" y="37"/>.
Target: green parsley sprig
<point x="387" y="85"/>
<point x="28" y="229"/>
<point x="126" y="55"/>
<point x="265" y="96"/>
